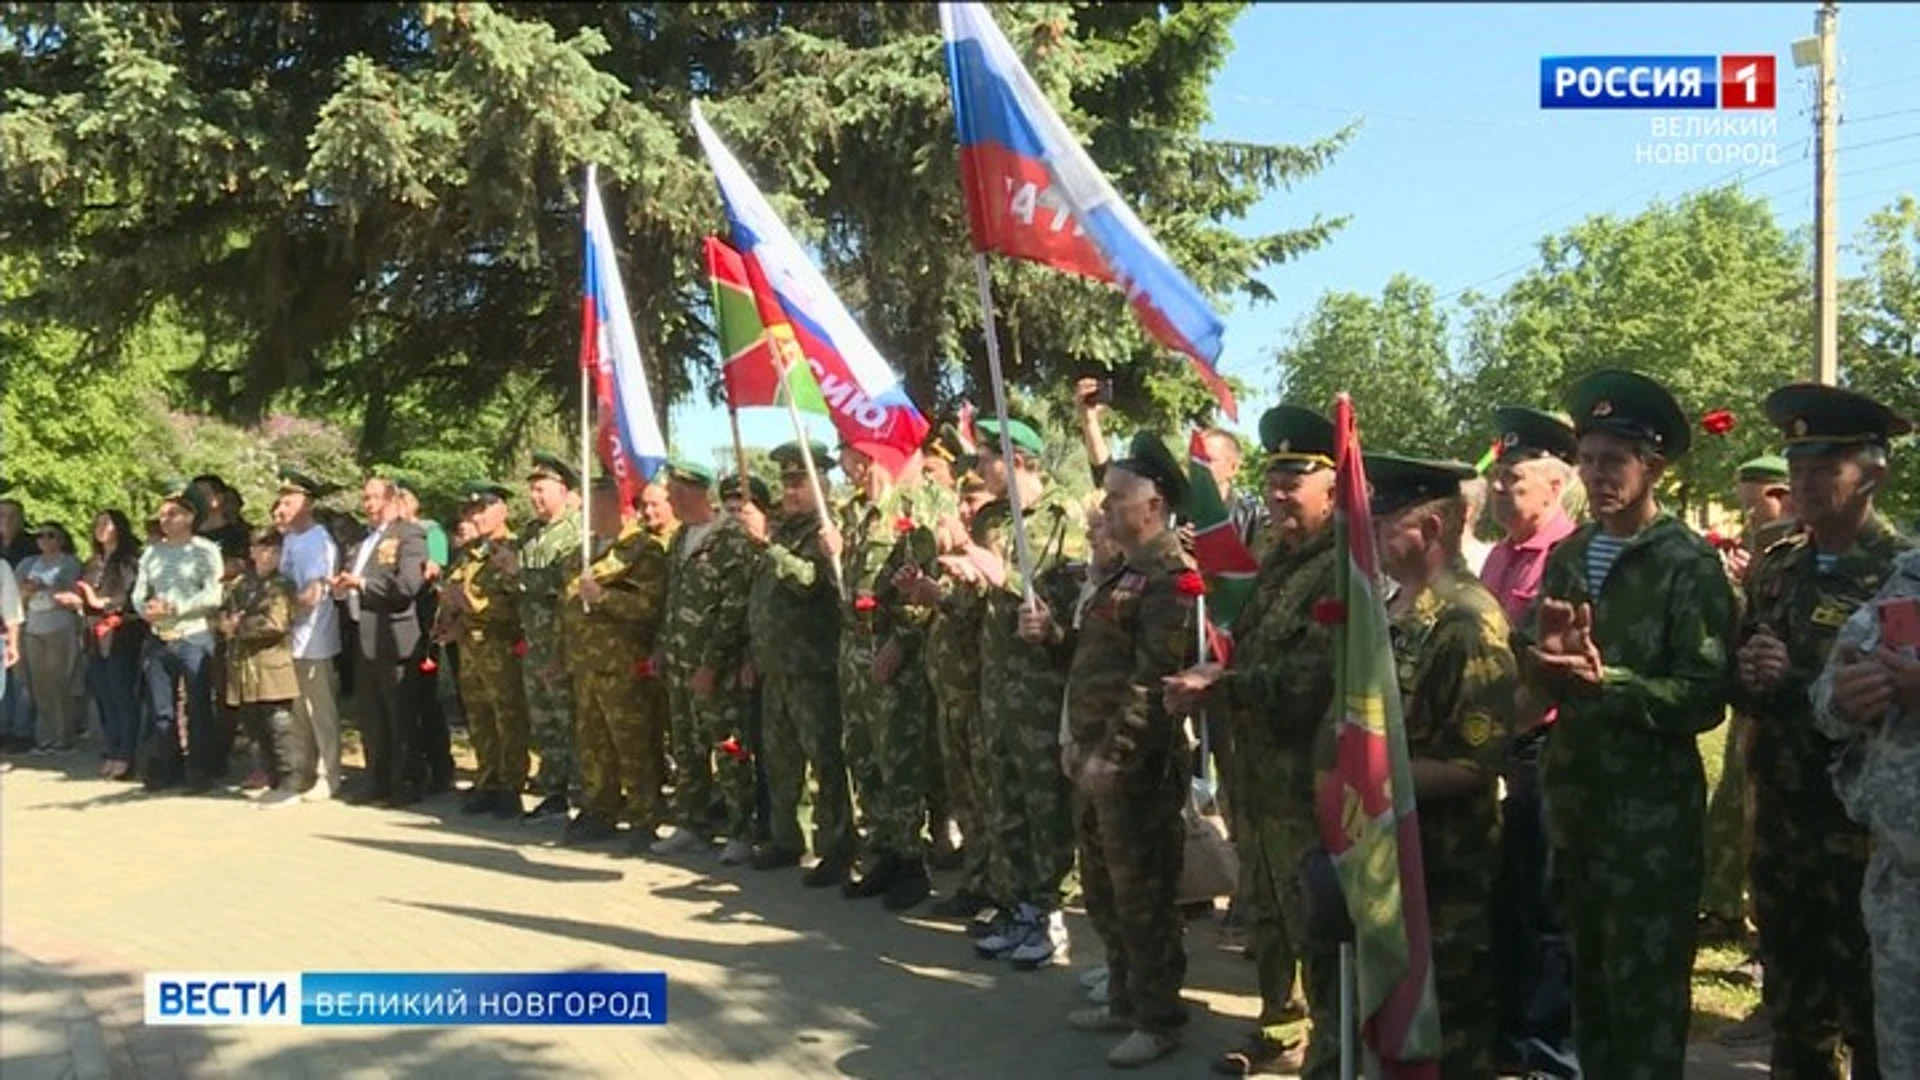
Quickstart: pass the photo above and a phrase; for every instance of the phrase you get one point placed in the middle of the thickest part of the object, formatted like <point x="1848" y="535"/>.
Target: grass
<point x="1724" y="987"/>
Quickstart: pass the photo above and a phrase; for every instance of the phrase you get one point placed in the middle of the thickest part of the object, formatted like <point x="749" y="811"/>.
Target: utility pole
<point x="1826" y="299"/>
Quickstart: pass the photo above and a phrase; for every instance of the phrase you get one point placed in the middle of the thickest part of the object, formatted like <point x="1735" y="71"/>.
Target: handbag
<point x="1211" y="866"/>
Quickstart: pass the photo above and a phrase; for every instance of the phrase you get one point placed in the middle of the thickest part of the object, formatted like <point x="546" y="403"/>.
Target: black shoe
<point x="366" y="796"/>
<point x="964" y="904"/>
<point x="948" y="858"/>
<point x="588" y="829"/>
<point x="825" y="874"/>
<point x="875" y="882"/>
<point x="1259" y="1056"/>
<point x="773" y="858"/>
<point x="907" y="890"/>
<point x="481" y="802"/>
<point x="550" y="807"/>
<point x="404" y="795"/>
<point x="439" y="784"/>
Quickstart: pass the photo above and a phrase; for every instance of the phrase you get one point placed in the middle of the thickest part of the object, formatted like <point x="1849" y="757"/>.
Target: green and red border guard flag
<point x="1224" y="560"/>
<point x="1366" y="805"/>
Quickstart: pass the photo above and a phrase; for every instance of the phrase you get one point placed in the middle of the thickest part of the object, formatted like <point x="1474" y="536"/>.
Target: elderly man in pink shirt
<point x="1530" y="476"/>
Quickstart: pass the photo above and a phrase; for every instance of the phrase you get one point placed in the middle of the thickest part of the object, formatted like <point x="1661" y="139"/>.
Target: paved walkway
<point x="102" y="882"/>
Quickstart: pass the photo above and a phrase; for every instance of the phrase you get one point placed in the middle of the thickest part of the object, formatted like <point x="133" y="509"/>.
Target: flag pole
<point x="1346" y="1011"/>
<point x="1006" y="437"/>
<point x="586" y="437"/>
<point x="739" y="451"/>
<point x="813" y="483"/>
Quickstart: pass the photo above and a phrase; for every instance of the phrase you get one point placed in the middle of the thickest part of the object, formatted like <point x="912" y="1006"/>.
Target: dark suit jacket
<point x="390" y="627"/>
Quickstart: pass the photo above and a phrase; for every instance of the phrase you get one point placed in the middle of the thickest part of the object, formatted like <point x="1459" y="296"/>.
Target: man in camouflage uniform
<point x="549" y="549"/>
<point x="883" y="686"/>
<point x="611" y="620"/>
<point x="1630" y="643"/>
<point x="938" y="508"/>
<point x="1458" y="685"/>
<point x="1128" y="755"/>
<point x="749" y="504"/>
<point x="793" y="617"/>
<point x="1278" y="692"/>
<point x="704" y="644"/>
<point x="1868" y="699"/>
<point x="656" y="514"/>
<point x="1765" y="507"/>
<point x="1030" y="813"/>
<point x="1809" y="857"/>
<point x="480" y="613"/>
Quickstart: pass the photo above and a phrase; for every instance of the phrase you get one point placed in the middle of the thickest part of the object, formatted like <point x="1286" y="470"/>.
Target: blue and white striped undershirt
<point x="1602" y="550"/>
<point x="1824" y="563"/>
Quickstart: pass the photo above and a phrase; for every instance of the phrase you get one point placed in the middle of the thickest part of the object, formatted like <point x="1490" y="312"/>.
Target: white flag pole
<point x="1006" y="437"/>
<point x="586" y="433"/>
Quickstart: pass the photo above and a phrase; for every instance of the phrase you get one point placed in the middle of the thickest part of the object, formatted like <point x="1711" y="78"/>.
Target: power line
<point x="1904" y="80"/>
<point x="1845" y="120"/>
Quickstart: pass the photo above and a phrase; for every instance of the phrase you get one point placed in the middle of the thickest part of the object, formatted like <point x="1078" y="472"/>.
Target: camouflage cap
<point x="1632" y="406"/>
<point x="1822" y="419"/>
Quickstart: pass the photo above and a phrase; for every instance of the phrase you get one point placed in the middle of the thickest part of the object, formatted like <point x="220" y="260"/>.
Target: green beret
<point x="757" y="490"/>
<point x="182" y="492"/>
<point x="1399" y="482"/>
<point x="1148" y="458"/>
<point x="1632" y="406"/>
<point x="293" y="482"/>
<point x="1526" y="434"/>
<point x="1822" y="419"/>
<point x="791" y="460"/>
<point x="1019" y="432"/>
<point x="406" y="484"/>
<point x="1766" y="467"/>
<point x="1296" y="439"/>
<point x="551" y="467"/>
<point x="689" y="472"/>
<point x="481" y="492"/>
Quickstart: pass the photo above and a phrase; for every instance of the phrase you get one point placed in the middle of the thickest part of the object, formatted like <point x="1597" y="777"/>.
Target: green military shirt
<point x="549" y="551"/>
<point x="879" y="538"/>
<point x="1057" y="541"/>
<point x="492" y="596"/>
<point x="1791" y="597"/>
<point x="706" y="622"/>
<point x="1138" y="629"/>
<point x="792" y="609"/>
<point x="622" y="627"/>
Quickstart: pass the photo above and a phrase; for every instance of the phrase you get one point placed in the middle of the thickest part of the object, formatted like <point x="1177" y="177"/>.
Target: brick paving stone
<point x="101" y="883"/>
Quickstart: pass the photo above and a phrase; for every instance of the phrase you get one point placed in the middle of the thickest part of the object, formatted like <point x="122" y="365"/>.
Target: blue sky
<point x="1457" y="172"/>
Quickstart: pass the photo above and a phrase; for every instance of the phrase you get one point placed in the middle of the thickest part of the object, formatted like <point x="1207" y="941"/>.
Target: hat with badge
<point x="475" y="493"/>
<point x="1765" y="469"/>
<point x="1399" y="482"/>
<point x="295" y="482"/>
<point x="187" y="496"/>
<point x="1148" y="458"/>
<point x="757" y="491"/>
<point x="1527" y="434"/>
<point x="1019" y="432"/>
<point x="683" y="471"/>
<point x="551" y="467"/>
<point x="1296" y="440"/>
<point x="1822" y="419"/>
<point x="1631" y="406"/>
<point x="791" y="461"/>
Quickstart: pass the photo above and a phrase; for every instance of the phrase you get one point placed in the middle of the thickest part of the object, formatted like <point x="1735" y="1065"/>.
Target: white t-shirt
<point x="307" y="557"/>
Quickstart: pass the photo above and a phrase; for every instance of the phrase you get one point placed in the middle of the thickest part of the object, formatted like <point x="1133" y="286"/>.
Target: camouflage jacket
<point x="1280" y="683"/>
<point x="881" y="538"/>
<point x="707" y="599"/>
<point x="492" y="596"/>
<point x="1877" y="772"/>
<point x="259" y="654"/>
<point x="1138" y="628"/>
<point x="1056" y="538"/>
<point x="620" y="630"/>
<point x="549" y="552"/>
<point x="1789" y="596"/>
<point x="1457" y="680"/>
<point x="1662" y="621"/>
<point x="793" y="613"/>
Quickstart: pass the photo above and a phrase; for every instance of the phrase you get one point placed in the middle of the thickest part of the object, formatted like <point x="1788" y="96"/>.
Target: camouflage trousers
<point x="613" y="738"/>
<point x="1630" y="898"/>
<point x="705" y="773"/>
<point x="1030" y="813"/>
<point x="1723" y="895"/>
<point x="1460" y="903"/>
<point x="885" y="736"/>
<point x="800" y="720"/>
<point x="495" y="700"/>
<point x="1809" y="862"/>
<point x="1271" y="846"/>
<point x="967" y="765"/>
<point x="1890" y="902"/>
<point x="549" y="708"/>
<point x="1132" y="850"/>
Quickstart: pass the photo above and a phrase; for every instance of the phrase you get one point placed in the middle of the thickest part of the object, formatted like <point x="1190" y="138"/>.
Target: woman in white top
<point x="51" y="638"/>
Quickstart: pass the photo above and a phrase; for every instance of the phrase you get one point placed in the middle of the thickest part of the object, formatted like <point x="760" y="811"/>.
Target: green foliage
<point x="1880" y="336"/>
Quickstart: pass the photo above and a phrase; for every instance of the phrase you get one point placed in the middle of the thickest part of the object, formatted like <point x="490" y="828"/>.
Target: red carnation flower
<point x="643" y="667"/>
<point x="1717" y="422"/>
<point x="428" y="665"/>
<point x="1190" y="583"/>
<point x="865" y="602"/>
<point x="731" y="747"/>
<point x="902" y="525"/>
<point x="520" y="649"/>
<point x="1329" y="612"/>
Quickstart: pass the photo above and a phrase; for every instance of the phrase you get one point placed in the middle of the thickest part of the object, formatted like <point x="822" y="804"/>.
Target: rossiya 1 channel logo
<point x="1726" y="81"/>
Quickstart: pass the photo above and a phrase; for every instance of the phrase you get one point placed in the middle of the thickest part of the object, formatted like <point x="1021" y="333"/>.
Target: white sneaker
<point x="1093" y="976"/>
<point x="1141" y="1048"/>
<point x="678" y="841"/>
<point x="1044" y="945"/>
<point x="321" y="791"/>
<point x="1099" y="993"/>
<point x="278" y="800"/>
<point x="736" y="853"/>
<point x="1097" y="1020"/>
<point x="1009" y="934"/>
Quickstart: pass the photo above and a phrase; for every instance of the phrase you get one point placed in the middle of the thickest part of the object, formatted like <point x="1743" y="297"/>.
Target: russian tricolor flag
<point x="1033" y="193"/>
<point x="631" y="445"/>
<point x="868" y="404"/>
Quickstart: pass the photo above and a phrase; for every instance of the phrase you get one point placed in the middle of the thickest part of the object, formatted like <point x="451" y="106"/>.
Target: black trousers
<point x="1530" y="951"/>
<point x="388" y="694"/>
<point x="433" y="749"/>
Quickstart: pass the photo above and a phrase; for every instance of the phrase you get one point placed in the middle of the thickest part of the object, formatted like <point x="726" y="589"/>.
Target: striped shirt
<point x="1602" y="550"/>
